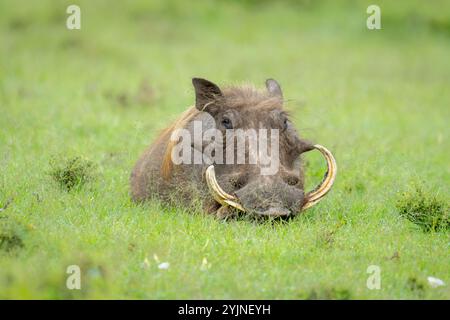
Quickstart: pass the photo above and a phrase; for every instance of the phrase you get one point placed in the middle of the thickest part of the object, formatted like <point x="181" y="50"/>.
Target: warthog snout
<point x="278" y="195"/>
<point x="270" y="196"/>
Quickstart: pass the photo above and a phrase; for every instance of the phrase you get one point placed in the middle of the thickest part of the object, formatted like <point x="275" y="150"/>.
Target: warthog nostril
<point x="239" y="182"/>
<point x="292" y="180"/>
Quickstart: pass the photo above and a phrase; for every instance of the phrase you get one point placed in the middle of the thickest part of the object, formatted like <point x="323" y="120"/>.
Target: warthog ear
<point x="274" y="88"/>
<point x="206" y="93"/>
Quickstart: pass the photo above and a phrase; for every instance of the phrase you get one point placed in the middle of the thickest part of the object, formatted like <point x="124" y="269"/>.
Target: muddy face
<point x="276" y="192"/>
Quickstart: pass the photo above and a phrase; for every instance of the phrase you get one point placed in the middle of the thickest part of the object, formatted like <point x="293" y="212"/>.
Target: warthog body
<point x="279" y="194"/>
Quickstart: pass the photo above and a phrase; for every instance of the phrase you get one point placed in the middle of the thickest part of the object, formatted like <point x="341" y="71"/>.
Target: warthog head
<point x="270" y="181"/>
<point x="245" y="158"/>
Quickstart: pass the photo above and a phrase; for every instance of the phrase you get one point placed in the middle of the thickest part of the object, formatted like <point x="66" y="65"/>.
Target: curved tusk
<point x="321" y="190"/>
<point x="218" y="193"/>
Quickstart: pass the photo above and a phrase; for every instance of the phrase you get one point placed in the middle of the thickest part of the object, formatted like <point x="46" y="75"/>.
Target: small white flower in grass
<point x="164" y="266"/>
<point x="205" y="265"/>
<point x="435" y="282"/>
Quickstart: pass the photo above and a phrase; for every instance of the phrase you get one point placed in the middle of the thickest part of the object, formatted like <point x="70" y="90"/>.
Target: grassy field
<point x="380" y="100"/>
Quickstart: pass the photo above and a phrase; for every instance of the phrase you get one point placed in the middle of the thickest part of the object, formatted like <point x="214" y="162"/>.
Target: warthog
<point x="226" y="188"/>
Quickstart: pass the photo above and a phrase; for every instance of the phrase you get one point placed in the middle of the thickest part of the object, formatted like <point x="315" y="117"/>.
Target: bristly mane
<point x="180" y="123"/>
<point x="248" y="96"/>
<point x="235" y="97"/>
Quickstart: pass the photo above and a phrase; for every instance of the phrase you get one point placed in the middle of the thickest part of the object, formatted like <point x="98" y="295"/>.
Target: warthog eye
<point x="227" y="123"/>
<point x="285" y="124"/>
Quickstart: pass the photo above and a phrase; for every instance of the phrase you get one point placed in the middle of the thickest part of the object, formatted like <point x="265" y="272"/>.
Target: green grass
<point x="378" y="99"/>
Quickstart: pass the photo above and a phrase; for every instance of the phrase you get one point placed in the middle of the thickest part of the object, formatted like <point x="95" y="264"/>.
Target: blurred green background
<point x="379" y="99"/>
